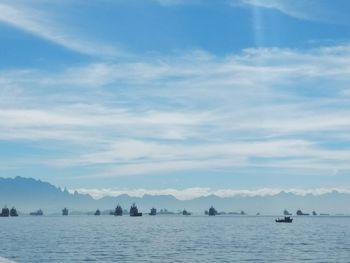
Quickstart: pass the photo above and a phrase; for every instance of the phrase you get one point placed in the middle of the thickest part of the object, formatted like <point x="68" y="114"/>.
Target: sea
<point x="174" y="238"/>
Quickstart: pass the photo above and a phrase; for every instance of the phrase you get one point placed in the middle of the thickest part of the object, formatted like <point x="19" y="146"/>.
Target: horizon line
<point x="192" y="193"/>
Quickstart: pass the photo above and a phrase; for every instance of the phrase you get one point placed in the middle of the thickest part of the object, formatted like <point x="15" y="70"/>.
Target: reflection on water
<point x="174" y="238"/>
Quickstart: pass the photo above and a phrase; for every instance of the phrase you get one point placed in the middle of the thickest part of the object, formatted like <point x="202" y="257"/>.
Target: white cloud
<point x="314" y="10"/>
<point x="188" y="112"/>
<point x="291" y="8"/>
<point x="40" y="24"/>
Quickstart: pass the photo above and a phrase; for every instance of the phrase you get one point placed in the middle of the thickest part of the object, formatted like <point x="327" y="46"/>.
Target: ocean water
<point x="174" y="239"/>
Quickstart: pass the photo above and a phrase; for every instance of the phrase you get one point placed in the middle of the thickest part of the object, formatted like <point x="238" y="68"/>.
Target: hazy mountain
<point x="29" y="194"/>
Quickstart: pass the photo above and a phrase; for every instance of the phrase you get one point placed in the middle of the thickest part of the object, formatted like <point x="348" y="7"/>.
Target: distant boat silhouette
<point x="153" y="212"/>
<point x="97" y="213"/>
<point x="314" y="213"/>
<point x="286" y="213"/>
<point x="212" y="211"/>
<point x="286" y="219"/>
<point x="242" y="213"/>
<point x="5" y="212"/>
<point x="165" y="212"/>
<point x="65" y="211"/>
<point x="300" y="213"/>
<point x="185" y="213"/>
<point x="37" y="213"/>
<point x="118" y="211"/>
<point x="134" y="211"/>
<point x="13" y="212"/>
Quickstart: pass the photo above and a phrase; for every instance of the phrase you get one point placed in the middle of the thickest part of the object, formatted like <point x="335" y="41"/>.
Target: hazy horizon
<point x="193" y="192"/>
<point x="28" y="195"/>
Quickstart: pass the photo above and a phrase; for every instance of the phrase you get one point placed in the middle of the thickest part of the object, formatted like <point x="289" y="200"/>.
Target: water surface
<point x="174" y="239"/>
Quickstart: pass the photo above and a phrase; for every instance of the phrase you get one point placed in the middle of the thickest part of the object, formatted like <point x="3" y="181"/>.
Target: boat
<point x="286" y="219"/>
<point x="5" y="212"/>
<point x="165" y="212"/>
<point x="97" y="213"/>
<point x="233" y="213"/>
<point x="286" y="213"/>
<point x="185" y="213"/>
<point x="243" y="213"/>
<point x="65" y="211"/>
<point x="37" y="213"/>
<point x="118" y="211"/>
<point x="212" y="211"/>
<point x="314" y="213"/>
<point x="300" y="213"/>
<point x="153" y="212"/>
<point x="13" y="212"/>
<point x="134" y="211"/>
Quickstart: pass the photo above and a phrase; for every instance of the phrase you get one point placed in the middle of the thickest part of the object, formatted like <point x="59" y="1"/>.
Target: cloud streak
<point x="192" y="111"/>
<point x="40" y="24"/>
<point x="313" y="10"/>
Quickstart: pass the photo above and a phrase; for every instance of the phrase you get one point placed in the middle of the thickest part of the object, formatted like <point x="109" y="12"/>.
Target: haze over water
<point x="174" y="239"/>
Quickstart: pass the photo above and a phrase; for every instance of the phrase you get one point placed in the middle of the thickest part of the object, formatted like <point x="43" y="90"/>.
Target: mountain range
<point x="28" y="194"/>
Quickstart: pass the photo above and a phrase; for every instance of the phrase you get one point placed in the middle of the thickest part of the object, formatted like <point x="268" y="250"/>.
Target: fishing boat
<point x="300" y="213"/>
<point x="97" y="213"/>
<point x="65" y="211"/>
<point x="37" y="213"/>
<point x="165" y="212"/>
<point x="286" y="219"/>
<point x="13" y="212"/>
<point x="134" y="211"/>
<point x="118" y="211"/>
<point x="5" y="212"/>
<point x="212" y="211"/>
<point x="185" y="213"/>
<point x="153" y="212"/>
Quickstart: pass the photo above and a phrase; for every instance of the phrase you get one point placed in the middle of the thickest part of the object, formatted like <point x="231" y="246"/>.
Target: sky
<point x="191" y="97"/>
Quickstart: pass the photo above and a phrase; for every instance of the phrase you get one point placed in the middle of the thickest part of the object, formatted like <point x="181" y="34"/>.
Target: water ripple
<point x="173" y="239"/>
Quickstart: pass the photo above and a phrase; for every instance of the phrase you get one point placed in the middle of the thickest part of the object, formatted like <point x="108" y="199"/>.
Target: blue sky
<point x="160" y="96"/>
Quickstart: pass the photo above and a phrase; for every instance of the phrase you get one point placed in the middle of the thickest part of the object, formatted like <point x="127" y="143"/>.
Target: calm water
<point x="174" y="239"/>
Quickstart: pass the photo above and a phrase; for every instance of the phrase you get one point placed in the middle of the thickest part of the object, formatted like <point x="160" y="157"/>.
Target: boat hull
<point x="286" y="219"/>
<point x="136" y="214"/>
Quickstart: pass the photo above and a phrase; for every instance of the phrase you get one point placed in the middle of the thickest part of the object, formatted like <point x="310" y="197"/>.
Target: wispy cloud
<point x="188" y="112"/>
<point x="291" y="8"/>
<point x="43" y="25"/>
<point x="314" y="10"/>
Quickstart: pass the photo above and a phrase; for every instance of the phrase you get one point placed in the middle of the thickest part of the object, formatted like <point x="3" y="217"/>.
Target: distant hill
<point x="28" y="194"/>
